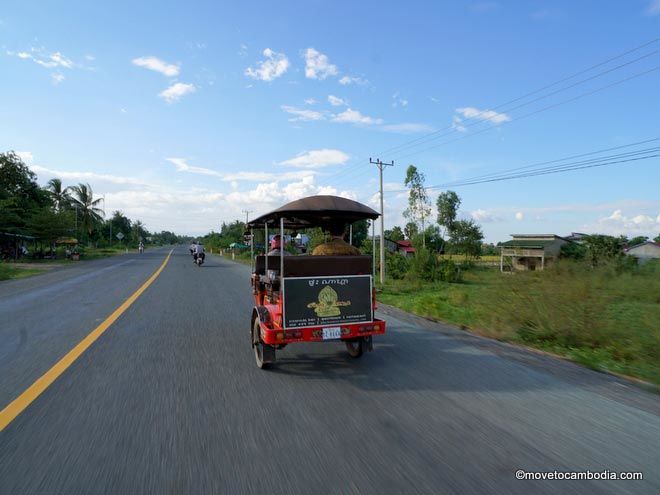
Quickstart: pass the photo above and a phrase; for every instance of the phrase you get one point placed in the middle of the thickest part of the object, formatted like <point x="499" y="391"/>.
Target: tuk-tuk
<point x="309" y="298"/>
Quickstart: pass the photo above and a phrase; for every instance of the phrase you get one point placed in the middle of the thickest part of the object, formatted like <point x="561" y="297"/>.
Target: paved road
<point x="169" y="400"/>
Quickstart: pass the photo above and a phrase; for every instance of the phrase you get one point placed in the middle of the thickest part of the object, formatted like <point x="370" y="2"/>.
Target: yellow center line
<point x="9" y="413"/>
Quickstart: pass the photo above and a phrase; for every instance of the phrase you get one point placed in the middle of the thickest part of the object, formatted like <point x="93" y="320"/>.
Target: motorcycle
<point x="199" y="259"/>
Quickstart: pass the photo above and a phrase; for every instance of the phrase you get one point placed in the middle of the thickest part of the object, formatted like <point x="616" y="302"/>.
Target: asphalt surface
<point x="169" y="399"/>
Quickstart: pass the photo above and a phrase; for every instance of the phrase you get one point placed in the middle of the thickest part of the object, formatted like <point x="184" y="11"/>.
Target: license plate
<point x="331" y="333"/>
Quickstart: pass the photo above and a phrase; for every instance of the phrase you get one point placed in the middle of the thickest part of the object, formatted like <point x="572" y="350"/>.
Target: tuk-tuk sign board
<point x="335" y="300"/>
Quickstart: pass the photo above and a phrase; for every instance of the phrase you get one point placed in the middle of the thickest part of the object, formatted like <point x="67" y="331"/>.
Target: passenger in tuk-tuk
<point x="336" y="246"/>
<point x="276" y="247"/>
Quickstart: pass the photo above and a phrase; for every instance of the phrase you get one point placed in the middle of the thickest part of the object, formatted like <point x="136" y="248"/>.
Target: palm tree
<point x="87" y="207"/>
<point x="60" y="197"/>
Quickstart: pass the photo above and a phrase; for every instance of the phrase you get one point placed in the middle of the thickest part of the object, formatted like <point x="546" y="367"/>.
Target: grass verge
<point x="603" y="319"/>
<point x="14" y="271"/>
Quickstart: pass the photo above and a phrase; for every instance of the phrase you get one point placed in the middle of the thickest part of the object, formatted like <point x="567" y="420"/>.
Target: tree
<point x="138" y="232"/>
<point x="60" y="197"/>
<point x="637" y="240"/>
<point x="20" y="195"/>
<point x="448" y="203"/>
<point x="47" y="224"/>
<point x="395" y="234"/>
<point x="434" y="241"/>
<point x="118" y="223"/>
<point x="657" y="239"/>
<point x="419" y="205"/>
<point x="603" y="248"/>
<point x="360" y="232"/>
<point x="410" y="230"/>
<point x="466" y="237"/>
<point x="89" y="213"/>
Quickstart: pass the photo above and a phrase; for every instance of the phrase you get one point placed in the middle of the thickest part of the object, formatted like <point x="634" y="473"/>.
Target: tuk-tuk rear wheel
<point x="355" y="347"/>
<point x="264" y="354"/>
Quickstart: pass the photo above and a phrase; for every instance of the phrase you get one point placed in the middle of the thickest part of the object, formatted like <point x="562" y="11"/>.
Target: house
<point x="530" y="251"/>
<point x="645" y="251"/>
<point x="405" y="248"/>
<point x="390" y="246"/>
<point x="578" y="237"/>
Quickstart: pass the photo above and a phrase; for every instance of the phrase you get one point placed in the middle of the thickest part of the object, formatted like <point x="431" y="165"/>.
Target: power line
<point x="424" y="139"/>
<point x="567" y="169"/>
<point x="561" y="167"/>
<point x="548" y="86"/>
<point x="535" y="112"/>
<point x="572" y="157"/>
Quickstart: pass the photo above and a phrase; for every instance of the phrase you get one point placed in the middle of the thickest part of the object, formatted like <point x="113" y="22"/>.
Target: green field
<point x="606" y="319"/>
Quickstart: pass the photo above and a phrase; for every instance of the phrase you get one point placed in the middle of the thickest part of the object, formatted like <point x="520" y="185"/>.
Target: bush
<point x="426" y="266"/>
<point x="573" y="251"/>
<point x="396" y="266"/>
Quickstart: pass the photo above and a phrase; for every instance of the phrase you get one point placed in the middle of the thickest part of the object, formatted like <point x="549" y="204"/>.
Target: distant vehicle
<point x="312" y="298"/>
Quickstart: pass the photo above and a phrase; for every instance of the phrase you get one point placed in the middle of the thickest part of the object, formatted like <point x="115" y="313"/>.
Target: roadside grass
<point x="605" y="319"/>
<point x="458" y="258"/>
<point x="14" y="271"/>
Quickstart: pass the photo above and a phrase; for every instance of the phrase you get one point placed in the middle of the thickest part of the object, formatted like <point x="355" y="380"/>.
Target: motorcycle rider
<point x="141" y="247"/>
<point x="199" y="251"/>
<point x="193" y="244"/>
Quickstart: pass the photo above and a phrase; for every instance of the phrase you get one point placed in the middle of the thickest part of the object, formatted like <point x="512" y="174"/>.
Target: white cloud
<point x="653" y="8"/>
<point x="620" y="224"/>
<point x="275" y="65"/>
<point x="335" y="101"/>
<point x="41" y="57"/>
<point x="407" y="128"/>
<point x="26" y="156"/>
<point x="181" y="165"/>
<point x="354" y="117"/>
<point x="398" y="101"/>
<point x="57" y="78"/>
<point x="486" y="115"/>
<point x="346" y="80"/>
<point x="484" y="216"/>
<point x="90" y="58"/>
<point x="520" y="216"/>
<point x="457" y="124"/>
<point x="310" y="101"/>
<point x="158" y="65"/>
<point x="176" y="91"/>
<point x="87" y="176"/>
<point x="272" y="194"/>
<point x="318" y="159"/>
<point x="301" y="114"/>
<point x="317" y="65"/>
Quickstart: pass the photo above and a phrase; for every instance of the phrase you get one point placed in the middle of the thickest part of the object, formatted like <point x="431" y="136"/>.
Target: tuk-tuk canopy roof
<point x="316" y="211"/>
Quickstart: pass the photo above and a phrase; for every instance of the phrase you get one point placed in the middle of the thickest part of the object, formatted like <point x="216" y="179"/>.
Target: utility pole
<point x="247" y="215"/>
<point x="380" y="166"/>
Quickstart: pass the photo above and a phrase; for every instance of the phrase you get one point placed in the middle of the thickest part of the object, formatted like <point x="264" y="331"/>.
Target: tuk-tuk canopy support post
<point x="350" y="234"/>
<point x="266" y="246"/>
<point x="373" y="248"/>
<point x="281" y="248"/>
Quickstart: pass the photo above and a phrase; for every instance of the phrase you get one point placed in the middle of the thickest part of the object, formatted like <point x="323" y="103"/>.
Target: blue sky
<point x="185" y="115"/>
